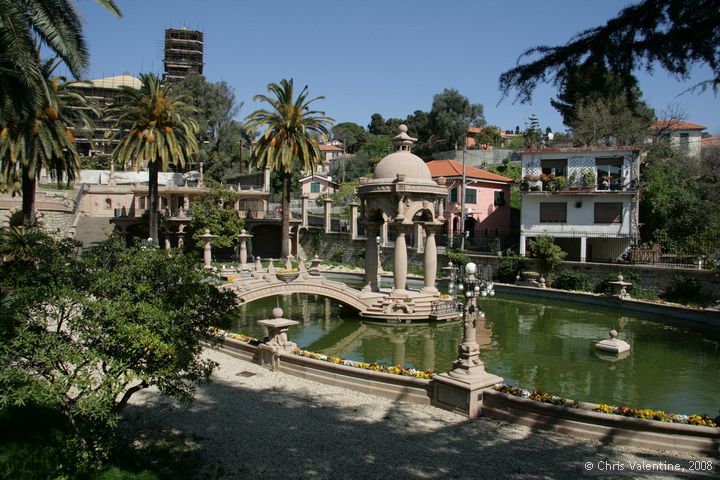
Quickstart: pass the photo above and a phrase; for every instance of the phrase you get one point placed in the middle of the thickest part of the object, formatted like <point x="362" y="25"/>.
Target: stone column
<point x="304" y="202"/>
<point x="353" y="220"/>
<point x="384" y="234"/>
<point x="167" y="242"/>
<point x="111" y="178"/>
<point x="523" y="241"/>
<point x="400" y="263"/>
<point x="207" y="250"/>
<point x="277" y="340"/>
<point x="243" y="237"/>
<point x="583" y="248"/>
<point x="328" y="219"/>
<point x="417" y="240"/>
<point x="201" y="180"/>
<point x="430" y="260"/>
<point x="371" y="258"/>
<point x="266" y="180"/>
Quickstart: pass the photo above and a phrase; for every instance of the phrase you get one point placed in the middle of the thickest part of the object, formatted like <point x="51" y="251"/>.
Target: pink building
<point x="487" y="200"/>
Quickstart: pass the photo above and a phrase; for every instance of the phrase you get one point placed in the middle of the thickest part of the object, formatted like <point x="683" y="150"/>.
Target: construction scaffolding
<point x="183" y="53"/>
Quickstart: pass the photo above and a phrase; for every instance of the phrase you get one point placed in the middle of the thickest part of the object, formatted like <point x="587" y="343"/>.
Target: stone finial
<point x="403" y="141"/>
<point x="613" y="333"/>
<point x="441" y="181"/>
<point x="277" y="312"/>
<point x="620" y="277"/>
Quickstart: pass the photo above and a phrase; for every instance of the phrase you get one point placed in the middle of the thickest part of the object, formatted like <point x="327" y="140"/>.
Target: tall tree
<point x="676" y="34"/>
<point x="24" y="26"/>
<point x="610" y="121"/>
<point x="451" y="115"/>
<point x="155" y="126"/>
<point x="532" y="134"/>
<point x="589" y="83"/>
<point x="287" y="144"/>
<point x="351" y="134"/>
<point x="48" y="142"/>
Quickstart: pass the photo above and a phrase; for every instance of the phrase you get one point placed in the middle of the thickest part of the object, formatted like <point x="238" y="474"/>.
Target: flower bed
<point x="220" y="333"/>
<point x="536" y="395"/>
<point x="397" y="370"/>
<point x="645" y="414"/>
<point x="659" y="415"/>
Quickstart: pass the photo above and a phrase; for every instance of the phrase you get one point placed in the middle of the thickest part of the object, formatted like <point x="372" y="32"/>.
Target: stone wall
<point x="58" y="223"/>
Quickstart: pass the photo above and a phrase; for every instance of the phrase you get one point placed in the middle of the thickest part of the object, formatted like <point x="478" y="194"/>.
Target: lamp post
<point x="378" y="242"/>
<point x="461" y="389"/>
<point x="462" y="205"/>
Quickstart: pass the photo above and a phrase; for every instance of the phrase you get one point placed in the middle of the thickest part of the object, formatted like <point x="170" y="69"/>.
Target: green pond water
<point x="533" y="343"/>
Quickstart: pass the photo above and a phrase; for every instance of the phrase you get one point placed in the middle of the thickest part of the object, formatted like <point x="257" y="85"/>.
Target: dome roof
<point x="402" y="161"/>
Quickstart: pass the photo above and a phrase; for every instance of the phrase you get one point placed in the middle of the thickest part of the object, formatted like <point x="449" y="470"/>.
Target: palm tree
<point x="48" y="141"/>
<point x="25" y="25"/>
<point x="155" y="126"/>
<point x="287" y="143"/>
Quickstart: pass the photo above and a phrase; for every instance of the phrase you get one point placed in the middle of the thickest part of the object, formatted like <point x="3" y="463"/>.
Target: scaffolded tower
<point x="183" y="53"/>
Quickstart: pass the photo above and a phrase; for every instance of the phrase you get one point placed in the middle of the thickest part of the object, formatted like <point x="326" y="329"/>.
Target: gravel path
<point x="273" y="425"/>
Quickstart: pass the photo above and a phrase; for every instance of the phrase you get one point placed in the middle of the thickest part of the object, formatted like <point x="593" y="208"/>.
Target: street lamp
<point x="378" y="242"/>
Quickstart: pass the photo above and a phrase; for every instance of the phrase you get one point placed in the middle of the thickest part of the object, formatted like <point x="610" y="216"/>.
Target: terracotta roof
<point x="708" y="142"/>
<point x="676" y="125"/>
<point x="621" y="148"/>
<point x="452" y="168"/>
<point x="330" y="148"/>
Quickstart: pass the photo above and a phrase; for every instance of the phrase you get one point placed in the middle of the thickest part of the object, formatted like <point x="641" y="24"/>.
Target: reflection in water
<point x="547" y="346"/>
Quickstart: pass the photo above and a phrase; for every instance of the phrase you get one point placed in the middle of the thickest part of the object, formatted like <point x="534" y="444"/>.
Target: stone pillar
<point x="181" y="236"/>
<point x="430" y="260"/>
<point x="266" y="180"/>
<point x="111" y="177"/>
<point x="353" y="220"/>
<point x="384" y="234"/>
<point x="277" y="340"/>
<point x="523" y="242"/>
<point x="400" y="263"/>
<point x="583" y="248"/>
<point x="207" y="250"/>
<point x="243" y="237"/>
<point x="417" y="238"/>
<point x="201" y="180"/>
<point x="371" y="257"/>
<point x="167" y="242"/>
<point x="328" y="219"/>
<point x="304" y="202"/>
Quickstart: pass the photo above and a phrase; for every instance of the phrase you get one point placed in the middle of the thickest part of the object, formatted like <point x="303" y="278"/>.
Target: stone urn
<point x="287" y="276"/>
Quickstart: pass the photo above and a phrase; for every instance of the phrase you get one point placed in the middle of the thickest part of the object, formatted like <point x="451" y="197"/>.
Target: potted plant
<point x="589" y="179"/>
<point x="573" y="181"/>
<point x="560" y="183"/>
<point x="616" y="183"/>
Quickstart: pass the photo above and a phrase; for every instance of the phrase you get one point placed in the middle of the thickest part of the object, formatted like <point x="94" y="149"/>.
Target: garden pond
<point x="541" y="344"/>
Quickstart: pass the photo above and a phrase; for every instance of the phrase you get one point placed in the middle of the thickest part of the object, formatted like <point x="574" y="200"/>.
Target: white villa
<point x="585" y="198"/>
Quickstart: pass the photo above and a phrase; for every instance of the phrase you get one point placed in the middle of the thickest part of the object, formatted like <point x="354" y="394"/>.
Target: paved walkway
<point x="272" y="425"/>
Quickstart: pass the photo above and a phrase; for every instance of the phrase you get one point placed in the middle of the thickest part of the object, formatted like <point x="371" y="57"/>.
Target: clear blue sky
<point x="388" y="57"/>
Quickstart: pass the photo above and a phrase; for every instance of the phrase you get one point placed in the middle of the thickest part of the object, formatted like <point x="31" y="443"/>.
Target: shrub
<point x="509" y="268"/>
<point x="686" y="290"/>
<point x="573" y="280"/>
<point x="457" y="257"/>
<point x="548" y="255"/>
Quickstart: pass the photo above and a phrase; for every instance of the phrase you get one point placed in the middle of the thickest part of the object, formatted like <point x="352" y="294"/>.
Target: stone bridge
<point x="384" y="305"/>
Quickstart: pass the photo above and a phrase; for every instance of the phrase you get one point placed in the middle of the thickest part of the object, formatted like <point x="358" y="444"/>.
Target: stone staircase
<point x="92" y="230"/>
<point x="419" y="307"/>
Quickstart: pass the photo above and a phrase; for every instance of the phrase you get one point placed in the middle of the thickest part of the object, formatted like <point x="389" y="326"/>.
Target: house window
<point x="453" y="195"/>
<point x="551" y="212"/>
<point x="470" y="195"/>
<point x="142" y="203"/>
<point x="608" y="167"/>
<point x="554" y="167"/>
<point x="608" y="212"/>
<point x="315" y="187"/>
<point x="684" y="141"/>
<point x="499" y="198"/>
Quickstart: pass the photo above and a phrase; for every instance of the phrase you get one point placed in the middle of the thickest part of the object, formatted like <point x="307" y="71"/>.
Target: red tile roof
<point x="330" y="148"/>
<point x="452" y="168"/>
<point x="708" y="142"/>
<point x="676" y="125"/>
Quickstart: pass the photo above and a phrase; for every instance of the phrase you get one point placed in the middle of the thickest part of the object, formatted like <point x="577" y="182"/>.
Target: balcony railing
<point x="561" y="184"/>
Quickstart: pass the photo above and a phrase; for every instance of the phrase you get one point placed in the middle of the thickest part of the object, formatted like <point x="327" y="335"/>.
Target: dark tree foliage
<point x="351" y="134"/>
<point x="676" y="34"/>
<point x="451" y="115"/>
<point x="591" y="82"/>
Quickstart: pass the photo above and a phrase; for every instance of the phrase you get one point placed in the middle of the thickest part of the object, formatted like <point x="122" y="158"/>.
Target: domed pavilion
<point x="403" y="194"/>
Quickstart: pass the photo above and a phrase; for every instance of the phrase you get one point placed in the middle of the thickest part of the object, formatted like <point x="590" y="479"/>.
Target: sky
<point x="389" y="57"/>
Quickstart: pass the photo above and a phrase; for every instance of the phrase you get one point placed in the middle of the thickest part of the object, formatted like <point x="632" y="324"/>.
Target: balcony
<point x="583" y="183"/>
